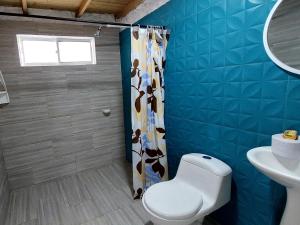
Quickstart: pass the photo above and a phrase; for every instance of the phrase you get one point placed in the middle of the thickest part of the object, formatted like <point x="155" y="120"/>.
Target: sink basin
<point x="283" y="171"/>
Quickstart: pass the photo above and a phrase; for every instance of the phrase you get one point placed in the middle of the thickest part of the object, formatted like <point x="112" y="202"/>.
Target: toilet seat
<point x="173" y="200"/>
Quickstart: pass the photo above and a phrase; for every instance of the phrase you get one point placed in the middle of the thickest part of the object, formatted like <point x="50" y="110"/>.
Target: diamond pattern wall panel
<point x="223" y="96"/>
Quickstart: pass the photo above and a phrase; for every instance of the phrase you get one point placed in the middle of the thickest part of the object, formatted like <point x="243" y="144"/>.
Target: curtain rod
<point x="107" y="24"/>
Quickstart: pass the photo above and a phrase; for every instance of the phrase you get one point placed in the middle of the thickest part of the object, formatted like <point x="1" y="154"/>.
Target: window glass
<point x="75" y="51"/>
<point x="40" y="50"/>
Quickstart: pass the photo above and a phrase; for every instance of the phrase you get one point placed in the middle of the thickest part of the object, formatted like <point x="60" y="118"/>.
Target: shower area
<point x="62" y="135"/>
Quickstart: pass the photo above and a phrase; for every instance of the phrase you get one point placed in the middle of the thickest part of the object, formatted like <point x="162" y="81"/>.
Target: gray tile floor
<point x="92" y="197"/>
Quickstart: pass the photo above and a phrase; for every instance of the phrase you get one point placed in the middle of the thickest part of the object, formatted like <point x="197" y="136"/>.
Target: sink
<point x="283" y="171"/>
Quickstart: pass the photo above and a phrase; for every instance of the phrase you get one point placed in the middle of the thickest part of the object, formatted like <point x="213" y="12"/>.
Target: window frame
<point x="56" y="39"/>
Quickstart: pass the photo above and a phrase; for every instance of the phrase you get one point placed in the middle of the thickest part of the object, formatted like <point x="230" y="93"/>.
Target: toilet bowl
<point x="202" y="185"/>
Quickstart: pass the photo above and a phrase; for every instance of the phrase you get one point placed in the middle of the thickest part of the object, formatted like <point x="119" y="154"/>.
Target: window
<point x="39" y="50"/>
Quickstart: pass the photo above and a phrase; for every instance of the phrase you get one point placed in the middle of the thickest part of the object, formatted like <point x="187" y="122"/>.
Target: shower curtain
<point x="149" y="157"/>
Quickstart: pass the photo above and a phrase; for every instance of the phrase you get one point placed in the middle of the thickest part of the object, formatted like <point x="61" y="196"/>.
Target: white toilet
<point x="201" y="186"/>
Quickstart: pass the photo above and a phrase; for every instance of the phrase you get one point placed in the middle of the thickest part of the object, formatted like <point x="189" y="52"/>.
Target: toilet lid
<point x="173" y="200"/>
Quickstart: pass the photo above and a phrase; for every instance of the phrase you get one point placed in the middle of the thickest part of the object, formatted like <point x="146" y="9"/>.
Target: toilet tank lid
<point x="209" y="163"/>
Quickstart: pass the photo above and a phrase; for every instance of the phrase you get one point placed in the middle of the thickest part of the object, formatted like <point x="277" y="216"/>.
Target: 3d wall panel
<point x="223" y="96"/>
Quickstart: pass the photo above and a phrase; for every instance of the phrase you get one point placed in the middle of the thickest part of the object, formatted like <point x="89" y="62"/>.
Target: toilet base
<point x="198" y="222"/>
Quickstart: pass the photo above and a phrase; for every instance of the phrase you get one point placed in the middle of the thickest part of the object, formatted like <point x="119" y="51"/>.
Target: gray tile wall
<point x="4" y="191"/>
<point x="54" y="125"/>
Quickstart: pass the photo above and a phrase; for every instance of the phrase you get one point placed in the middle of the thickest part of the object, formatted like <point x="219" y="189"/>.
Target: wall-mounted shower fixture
<point x="98" y="32"/>
<point x="106" y="112"/>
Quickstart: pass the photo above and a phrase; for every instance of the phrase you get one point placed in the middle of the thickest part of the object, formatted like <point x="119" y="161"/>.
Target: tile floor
<point x="92" y="197"/>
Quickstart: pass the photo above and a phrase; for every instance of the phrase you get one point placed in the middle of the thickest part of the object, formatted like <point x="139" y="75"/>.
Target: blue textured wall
<point x="125" y="48"/>
<point x="223" y="96"/>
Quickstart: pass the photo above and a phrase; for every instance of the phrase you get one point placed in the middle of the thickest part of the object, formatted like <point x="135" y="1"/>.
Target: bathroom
<point x="71" y="124"/>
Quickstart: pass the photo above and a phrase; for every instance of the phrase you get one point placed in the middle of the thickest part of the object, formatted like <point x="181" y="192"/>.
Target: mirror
<point x="282" y="35"/>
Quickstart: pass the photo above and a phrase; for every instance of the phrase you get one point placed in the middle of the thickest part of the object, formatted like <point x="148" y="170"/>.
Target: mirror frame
<point x="266" y="45"/>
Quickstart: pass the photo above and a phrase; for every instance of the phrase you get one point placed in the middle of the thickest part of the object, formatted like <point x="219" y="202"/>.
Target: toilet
<point x="202" y="185"/>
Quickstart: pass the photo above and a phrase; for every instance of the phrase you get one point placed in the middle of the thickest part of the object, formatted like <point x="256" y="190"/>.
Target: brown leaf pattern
<point x="135" y="69"/>
<point x="135" y="34"/>
<point x="149" y="157"/>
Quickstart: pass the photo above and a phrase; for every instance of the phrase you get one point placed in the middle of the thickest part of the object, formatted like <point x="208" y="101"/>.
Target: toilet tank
<point x="208" y="174"/>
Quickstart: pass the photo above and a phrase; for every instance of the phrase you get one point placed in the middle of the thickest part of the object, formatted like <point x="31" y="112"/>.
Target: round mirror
<point x="282" y="35"/>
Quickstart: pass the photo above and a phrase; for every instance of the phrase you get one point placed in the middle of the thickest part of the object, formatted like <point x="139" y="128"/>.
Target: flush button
<point x="206" y="157"/>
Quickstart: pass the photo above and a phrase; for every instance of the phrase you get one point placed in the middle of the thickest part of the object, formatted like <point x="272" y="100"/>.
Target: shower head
<point x="98" y="32"/>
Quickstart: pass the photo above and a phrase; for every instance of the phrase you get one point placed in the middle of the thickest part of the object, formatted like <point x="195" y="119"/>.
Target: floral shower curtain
<point x="149" y="157"/>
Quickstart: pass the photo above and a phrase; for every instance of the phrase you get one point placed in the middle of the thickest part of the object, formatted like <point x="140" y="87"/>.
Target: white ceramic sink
<point x="285" y="172"/>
